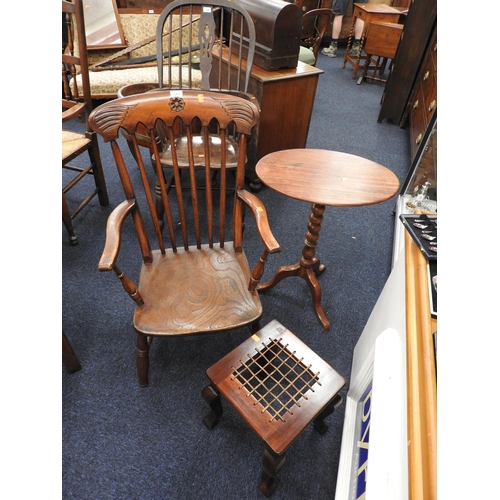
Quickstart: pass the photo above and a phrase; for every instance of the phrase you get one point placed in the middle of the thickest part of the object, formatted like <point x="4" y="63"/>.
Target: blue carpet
<point x="120" y="441"/>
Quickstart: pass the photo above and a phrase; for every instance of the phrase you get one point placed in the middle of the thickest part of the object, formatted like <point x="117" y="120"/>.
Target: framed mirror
<point x="102" y="25"/>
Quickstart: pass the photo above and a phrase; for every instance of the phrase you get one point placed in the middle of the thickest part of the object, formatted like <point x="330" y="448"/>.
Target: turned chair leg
<point x="318" y="423"/>
<point x="212" y="397"/>
<point x="143" y="344"/>
<point x="66" y="217"/>
<point x="99" y="180"/>
<point x="271" y="464"/>
<point x="69" y="357"/>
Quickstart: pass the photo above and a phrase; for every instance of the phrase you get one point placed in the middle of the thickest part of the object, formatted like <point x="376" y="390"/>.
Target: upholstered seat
<point x="106" y="79"/>
<point x="106" y="84"/>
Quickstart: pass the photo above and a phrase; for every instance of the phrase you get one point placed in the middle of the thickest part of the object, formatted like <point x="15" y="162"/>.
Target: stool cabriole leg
<point x="212" y="397"/>
<point x="271" y="464"/>
<point x="319" y="422"/>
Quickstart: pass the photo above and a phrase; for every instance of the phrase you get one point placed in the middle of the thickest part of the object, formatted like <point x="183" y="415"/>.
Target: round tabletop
<point x="327" y="177"/>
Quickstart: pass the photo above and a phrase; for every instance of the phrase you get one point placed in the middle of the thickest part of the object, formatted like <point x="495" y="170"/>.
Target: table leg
<point x="308" y="266"/>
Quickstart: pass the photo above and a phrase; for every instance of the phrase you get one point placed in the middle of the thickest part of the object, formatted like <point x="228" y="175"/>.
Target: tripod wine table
<point x="322" y="178"/>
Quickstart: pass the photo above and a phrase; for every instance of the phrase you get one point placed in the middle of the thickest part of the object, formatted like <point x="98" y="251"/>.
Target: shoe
<point x="354" y="50"/>
<point x="330" y="51"/>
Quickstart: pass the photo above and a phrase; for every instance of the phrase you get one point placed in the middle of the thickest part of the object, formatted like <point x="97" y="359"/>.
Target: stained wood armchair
<point x="195" y="277"/>
<point x="223" y="26"/>
<point x="210" y="28"/>
<point x="315" y="24"/>
<point x="78" y="105"/>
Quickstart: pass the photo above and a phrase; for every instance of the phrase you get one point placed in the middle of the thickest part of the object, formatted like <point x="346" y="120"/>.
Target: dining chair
<point x="223" y="54"/>
<point x="69" y="358"/>
<point x="314" y="26"/>
<point x="77" y="106"/>
<point x="195" y="277"/>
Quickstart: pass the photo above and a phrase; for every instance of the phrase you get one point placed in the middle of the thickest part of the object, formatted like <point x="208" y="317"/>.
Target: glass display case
<point x="419" y="189"/>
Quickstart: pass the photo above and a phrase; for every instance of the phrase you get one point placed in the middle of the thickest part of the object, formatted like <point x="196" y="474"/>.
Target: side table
<point x="322" y="178"/>
<point x="367" y="12"/>
<point x="279" y="386"/>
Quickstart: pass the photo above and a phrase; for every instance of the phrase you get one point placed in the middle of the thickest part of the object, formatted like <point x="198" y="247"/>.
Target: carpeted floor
<point x="120" y="441"/>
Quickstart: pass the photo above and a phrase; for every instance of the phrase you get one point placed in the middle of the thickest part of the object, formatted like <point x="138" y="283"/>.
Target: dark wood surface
<point x="277" y="434"/>
<point x="423" y="101"/>
<point x="417" y="31"/>
<point x="278" y="25"/>
<point x="327" y="177"/>
<point x="279" y="386"/>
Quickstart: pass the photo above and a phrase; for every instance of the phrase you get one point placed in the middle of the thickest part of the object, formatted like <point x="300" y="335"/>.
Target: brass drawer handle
<point x="426" y="76"/>
<point x="418" y="139"/>
<point x="415" y="104"/>
<point x="432" y="105"/>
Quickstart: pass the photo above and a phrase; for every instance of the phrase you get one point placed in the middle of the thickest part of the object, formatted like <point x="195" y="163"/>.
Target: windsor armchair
<point x="196" y="277"/>
<point x="222" y="24"/>
<point x="315" y="24"/>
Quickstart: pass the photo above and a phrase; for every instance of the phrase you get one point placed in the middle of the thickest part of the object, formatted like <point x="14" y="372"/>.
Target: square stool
<point x="279" y="386"/>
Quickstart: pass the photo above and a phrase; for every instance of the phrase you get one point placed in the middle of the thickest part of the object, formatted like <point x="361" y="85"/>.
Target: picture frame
<point x="102" y="25"/>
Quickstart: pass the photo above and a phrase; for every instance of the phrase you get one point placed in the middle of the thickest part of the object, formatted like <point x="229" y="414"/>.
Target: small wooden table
<point x="322" y="178"/>
<point x="367" y="12"/>
<point x="278" y="385"/>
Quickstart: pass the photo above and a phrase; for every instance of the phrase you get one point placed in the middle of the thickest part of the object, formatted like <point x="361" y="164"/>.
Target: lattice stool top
<point x="276" y="378"/>
<point x="276" y="383"/>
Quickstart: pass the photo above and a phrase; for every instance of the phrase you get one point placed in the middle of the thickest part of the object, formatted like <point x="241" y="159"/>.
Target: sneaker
<point x="354" y="50"/>
<point x="330" y="51"/>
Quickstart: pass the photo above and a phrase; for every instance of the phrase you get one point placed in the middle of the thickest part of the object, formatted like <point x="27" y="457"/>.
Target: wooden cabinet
<point x="286" y="98"/>
<point x="410" y="56"/>
<point x="423" y="101"/>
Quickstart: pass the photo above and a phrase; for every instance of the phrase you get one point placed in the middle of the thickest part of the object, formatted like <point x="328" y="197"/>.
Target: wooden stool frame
<point x="279" y="386"/>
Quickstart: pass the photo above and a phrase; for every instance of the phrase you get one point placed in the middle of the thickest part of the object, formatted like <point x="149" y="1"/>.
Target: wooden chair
<point x="315" y="24"/>
<point x="69" y="358"/>
<point x="77" y="105"/>
<point x="196" y="278"/>
<point x="223" y="27"/>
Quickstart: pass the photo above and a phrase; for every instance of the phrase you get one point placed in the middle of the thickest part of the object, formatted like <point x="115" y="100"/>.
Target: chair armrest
<point x="73" y="112"/>
<point x="113" y="230"/>
<point x="261" y="220"/>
